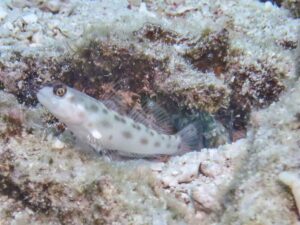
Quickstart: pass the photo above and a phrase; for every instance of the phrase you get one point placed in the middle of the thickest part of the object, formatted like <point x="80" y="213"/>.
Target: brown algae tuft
<point x="209" y="52"/>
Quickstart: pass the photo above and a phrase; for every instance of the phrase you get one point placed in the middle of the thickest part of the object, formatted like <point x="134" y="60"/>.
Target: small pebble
<point x="3" y="14"/>
<point x="53" y="6"/>
<point x="268" y="6"/>
<point x="57" y="144"/>
<point x="30" y="18"/>
<point x="20" y="84"/>
<point x="8" y="25"/>
<point x="157" y="167"/>
<point x="210" y="169"/>
<point x="37" y="37"/>
<point x="175" y="173"/>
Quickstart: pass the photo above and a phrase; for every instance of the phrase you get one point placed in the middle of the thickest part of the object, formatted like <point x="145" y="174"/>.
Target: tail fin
<point x="191" y="137"/>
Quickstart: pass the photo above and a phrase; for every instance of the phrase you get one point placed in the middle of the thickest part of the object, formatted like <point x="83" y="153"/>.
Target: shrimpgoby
<point x="103" y="128"/>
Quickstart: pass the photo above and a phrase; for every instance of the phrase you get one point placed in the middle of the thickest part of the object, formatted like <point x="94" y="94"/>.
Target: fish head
<point x="65" y="103"/>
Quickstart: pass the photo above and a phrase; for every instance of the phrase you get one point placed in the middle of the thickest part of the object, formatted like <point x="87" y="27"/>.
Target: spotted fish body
<point x="91" y="121"/>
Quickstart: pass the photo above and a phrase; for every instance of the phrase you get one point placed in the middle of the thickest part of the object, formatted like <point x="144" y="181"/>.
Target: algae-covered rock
<point x="293" y="6"/>
<point x="198" y="94"/>
<point x="209" y="53"/>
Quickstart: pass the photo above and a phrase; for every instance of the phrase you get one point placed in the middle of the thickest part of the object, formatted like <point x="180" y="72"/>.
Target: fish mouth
<point x="42" y="95"/>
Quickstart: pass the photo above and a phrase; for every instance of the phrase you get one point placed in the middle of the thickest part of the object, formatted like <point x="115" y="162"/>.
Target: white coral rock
<point x="292" y="180"/>
<point x="3" y="14"/>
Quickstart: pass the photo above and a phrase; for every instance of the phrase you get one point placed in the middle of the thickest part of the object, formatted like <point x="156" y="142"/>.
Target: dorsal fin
<point x="191" y="136"/>
<point x="110" y="98"/>
<point x="153" y="116"/>
<point x="148" y="112"/>
<point x="115" y="102"/>
<point x="162" y="118"/>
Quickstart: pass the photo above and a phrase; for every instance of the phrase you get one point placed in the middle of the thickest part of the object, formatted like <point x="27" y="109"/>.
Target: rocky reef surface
<point x="228" y="64"/>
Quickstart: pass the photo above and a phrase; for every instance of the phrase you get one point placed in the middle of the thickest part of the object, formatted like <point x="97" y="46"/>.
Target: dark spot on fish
<point x="105" y="123"/>
<point x="104" y="111"/>
<point x="123" y="120"/>
<point x="120" y="119"/>
<point x="163" y="137"/>
<point x="136" y="126"/>
<point x="152" y="133"/>
<point x="81" y="115"/>
<point x="110" y="137"/>
<point x="72" y="99"/>
<point x="144" y="141"/>
<point x="117" y="118"/>
<point x="178" y="146"/>
<point x="93" y="108"/>
<point x="156" y="144"/>
<point x="168" y="145"/>
<point x="127" y="134"/>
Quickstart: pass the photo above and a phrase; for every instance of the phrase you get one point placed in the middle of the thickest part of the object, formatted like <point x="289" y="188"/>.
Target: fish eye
<point x="60" y="90"/>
